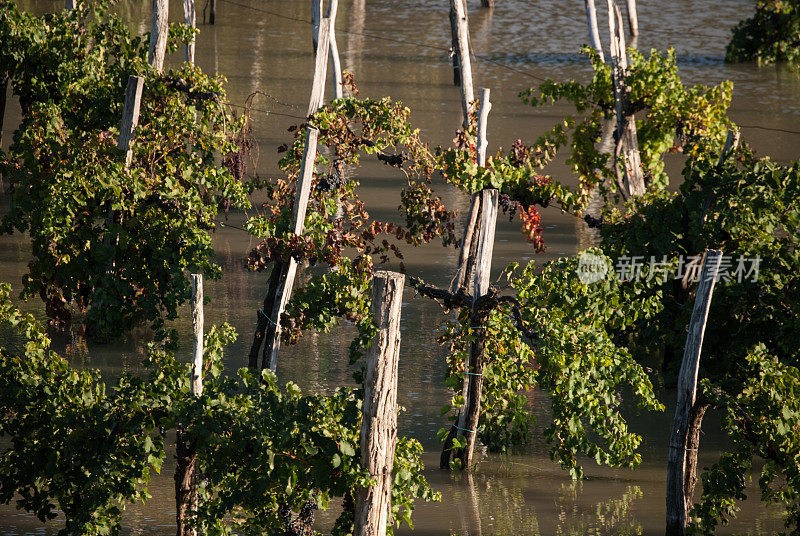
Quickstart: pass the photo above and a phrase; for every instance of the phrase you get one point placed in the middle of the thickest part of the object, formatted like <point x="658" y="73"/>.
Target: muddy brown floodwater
<point x="519" y="43"/>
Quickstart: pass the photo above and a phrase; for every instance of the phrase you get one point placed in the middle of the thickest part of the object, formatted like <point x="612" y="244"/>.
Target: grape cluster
<point x="330" y="182"/>
<point x="302" y="525"/>
<point x="508" y="206"/>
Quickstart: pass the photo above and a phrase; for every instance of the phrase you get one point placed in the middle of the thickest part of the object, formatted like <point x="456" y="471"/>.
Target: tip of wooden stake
<point x="386" y="274"/>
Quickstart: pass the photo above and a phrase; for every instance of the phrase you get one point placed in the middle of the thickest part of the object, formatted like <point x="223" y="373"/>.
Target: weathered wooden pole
<point x="336" y="63"/>
<point x="197" y="334"/>
<point x="483" y="126"/>
<point x="190" y="17"/>
<point x="130" y="116"/>
<point x="475" y="257"/>
<point x="633" y="18"/>
<point x="289" y="268"/>
<point x="463" y="270"/>
<point x="678" y="503"/>
<point x="627" y="166"/>
<point x="594" y="32"/>
<point x="474" y="371"/>
<point x="187" y="498"/>
<point x="462" y="65"/>
<point x="285" y="276"/>
<point x="320" y="67"/>
<point x="158" y="34"/>
<point x="316" y="14"/>
<point x="379" y="411"/>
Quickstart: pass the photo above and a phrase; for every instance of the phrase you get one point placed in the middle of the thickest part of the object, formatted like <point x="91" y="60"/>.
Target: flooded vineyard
<point x="402" y="49"/>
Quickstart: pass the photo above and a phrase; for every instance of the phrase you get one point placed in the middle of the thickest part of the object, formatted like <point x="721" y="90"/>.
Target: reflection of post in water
<point x="470" y="520"/>
<point x="215" y="48"/>
<point x="609" y="516"/>
<point x="257" y="69"/>
<point x="355" y="41"/>
<point x="483" y="28"/>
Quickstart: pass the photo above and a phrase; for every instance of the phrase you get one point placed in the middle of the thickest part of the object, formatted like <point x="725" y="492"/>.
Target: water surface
<point x="399" y="48"/>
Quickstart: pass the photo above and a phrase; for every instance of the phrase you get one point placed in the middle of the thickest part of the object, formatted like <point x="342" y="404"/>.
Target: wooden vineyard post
<point x="379" y="412"/>
<point x="190" y="17"/>
<point x="463" y="269"/>
<point x="677" y="501"/>
<point x="630" y="179"/>
<point x="187" y="499"/>
<point x="130" y="116"/>
<point x="476" y="256"/>
<point x="197" y="334"/>
<point x="158" y="35"/>
<point x="336" y="63"/>
<point x="462" y="65"/>
<point x="320" y="67"/>
<point x="286" y="282"/>
<point x="633" y="18"/>
<point x="594" y="32"/>
<point x="316" y="13"/>
<point x="474" y="371"/>
<point x="268" y="327"/>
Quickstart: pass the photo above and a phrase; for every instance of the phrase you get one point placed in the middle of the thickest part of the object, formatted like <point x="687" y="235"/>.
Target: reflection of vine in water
<point x="611" y="516"/>
<point x="501" y="507"/>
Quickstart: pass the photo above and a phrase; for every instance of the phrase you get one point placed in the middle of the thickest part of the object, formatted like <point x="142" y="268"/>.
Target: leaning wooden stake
<point x="130" y="116"/>
<point x="158" y="34"/>
<point x="474" y="372"/>
<point x="190" y="17"/>
<point x="462" y="64"/>
<point x="594" y="32"/>
<point x="269" y="319"/>
<point x="473" y="267"/>
<point x="187" y="498"/>
<point x="316" y="14"/>
<point x="627" y="166"/>
<point x="479" y="242"/>
<point x="633" y="18"/>
<point x="677" y="502"/>
<point x="379" y="412"/>
<point x="463" y="271"/>
<point x="336" y="63"/>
